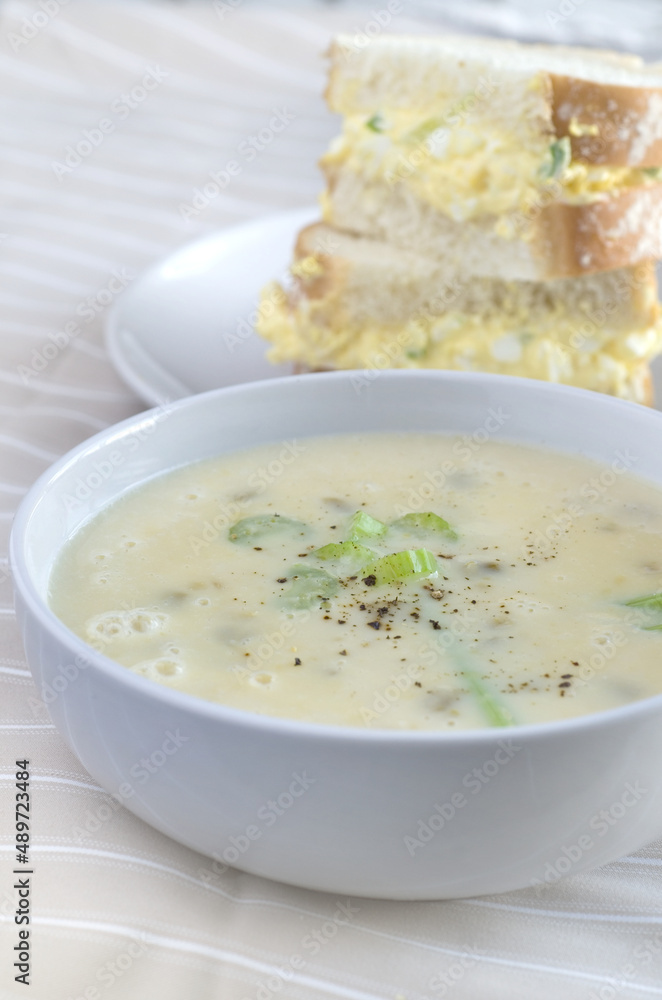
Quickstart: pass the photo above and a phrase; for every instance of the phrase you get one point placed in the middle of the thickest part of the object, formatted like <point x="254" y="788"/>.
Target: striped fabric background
<point x="120" y="911"/>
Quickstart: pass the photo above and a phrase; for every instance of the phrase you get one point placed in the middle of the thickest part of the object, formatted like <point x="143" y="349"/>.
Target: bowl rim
<point x="25" y="587"/>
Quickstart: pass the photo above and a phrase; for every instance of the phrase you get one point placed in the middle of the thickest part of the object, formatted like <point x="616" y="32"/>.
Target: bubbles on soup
<point x="122" y="624"/>
<point x="163" y="668"/>
<point x="262" y="679"/>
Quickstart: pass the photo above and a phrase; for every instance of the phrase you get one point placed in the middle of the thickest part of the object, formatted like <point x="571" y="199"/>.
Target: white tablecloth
<point x="120" y="911"/>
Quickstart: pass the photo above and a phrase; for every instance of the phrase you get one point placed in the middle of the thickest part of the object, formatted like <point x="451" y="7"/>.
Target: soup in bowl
<point x="393" y="636"/>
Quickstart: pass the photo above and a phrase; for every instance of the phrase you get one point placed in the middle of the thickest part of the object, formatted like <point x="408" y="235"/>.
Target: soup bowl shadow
<point x="397" y="815"/>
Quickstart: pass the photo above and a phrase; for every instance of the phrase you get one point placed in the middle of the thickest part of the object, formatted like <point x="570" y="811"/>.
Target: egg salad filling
<point x="470" y="167"/>
<point x="556" y="348"/>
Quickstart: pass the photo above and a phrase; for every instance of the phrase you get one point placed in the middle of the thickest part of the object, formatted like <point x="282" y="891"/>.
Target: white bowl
<point x="204" y="773"/>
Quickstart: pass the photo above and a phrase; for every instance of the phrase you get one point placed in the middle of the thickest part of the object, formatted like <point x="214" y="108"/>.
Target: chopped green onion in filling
<point x="250" y="529"/>
<point x="376" y="123"/>
<point x="425" y="522"/>
<point x="399" y="566"/>
<point x="362" y="525"/>
<point x="308" y="585"/>
<point x="559" y="157"/>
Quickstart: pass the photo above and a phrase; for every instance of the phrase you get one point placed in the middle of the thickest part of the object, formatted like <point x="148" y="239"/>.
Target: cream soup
<point x="409" y="581"/>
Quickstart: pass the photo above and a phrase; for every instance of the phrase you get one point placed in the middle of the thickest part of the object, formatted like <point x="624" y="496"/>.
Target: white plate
<point x="185" y="325"/>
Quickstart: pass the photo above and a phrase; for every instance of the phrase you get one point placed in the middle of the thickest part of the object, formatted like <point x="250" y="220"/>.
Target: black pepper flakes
<point x="435" y="625"/>
<point x="281" y="579"/>
<point x="297" y="661"/>
<point x="370" y="581"/>
<point x="375" y="625"/>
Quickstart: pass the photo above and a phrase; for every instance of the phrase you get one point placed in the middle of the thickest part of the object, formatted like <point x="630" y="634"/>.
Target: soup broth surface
<point x="207" y="579"/>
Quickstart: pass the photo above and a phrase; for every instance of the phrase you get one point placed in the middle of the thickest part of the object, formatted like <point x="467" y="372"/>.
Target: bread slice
<point x="359" y="303"/>
<point x="551" y="239"/>
<point x="609" y="105"/>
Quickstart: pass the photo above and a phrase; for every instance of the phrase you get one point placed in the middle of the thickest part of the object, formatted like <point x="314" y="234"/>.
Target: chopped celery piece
<point x="308" y="585"/>
<point x="399" y="566"/>
<point x="650" y="602"/>
<point x="362" y="525"/>
<point x="425" y="522"/>
<point x="653" y="601"/>
<point x="559" y="156"/>
<point x="494" y="712"/>
<point x="344" y="550"/>
<point x="376" y="123"/>
<point x="250" y="529"/>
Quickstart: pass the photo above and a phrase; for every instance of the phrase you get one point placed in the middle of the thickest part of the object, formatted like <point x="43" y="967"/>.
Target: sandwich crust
<point x="620" y="231"/>
<point x="618" y="126"/>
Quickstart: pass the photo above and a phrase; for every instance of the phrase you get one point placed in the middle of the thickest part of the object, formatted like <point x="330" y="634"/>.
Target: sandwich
<point x="489" y="206"/>
<point x="364" y="304"/>
<point x="528" y="161"/>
